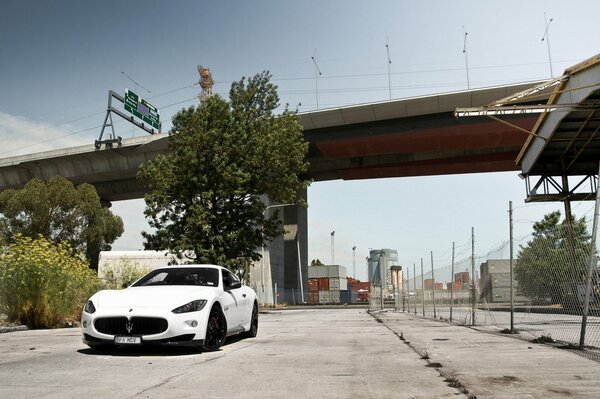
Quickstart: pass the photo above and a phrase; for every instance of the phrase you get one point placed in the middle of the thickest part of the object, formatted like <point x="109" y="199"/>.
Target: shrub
<point x="125" y="272"/>
<point x="43" y="285"/>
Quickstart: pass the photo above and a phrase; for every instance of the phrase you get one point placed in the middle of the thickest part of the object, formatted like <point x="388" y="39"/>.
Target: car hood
<point x="152" y="297"/>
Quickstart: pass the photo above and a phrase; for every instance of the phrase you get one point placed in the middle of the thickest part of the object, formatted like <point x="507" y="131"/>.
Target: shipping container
<point x="334" y="283"/>
<point x="318" y="271"/>
<point x="313" y="284"/>
<point x="313" y="297"/>
<point x="334" y="296"/>
<point x="463" y="277"/>
<point x="324" y="297"/>
<point x="346" y="296"/>
<point x="323" y="284"/>
<point x="340" y="284"/>
<point x="500" y="279"/>
<point x="336" y="271"/>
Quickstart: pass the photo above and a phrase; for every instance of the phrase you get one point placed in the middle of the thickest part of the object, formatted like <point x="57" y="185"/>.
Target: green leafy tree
<point x="59" y="212"/>
<point x="549" y="266"/>
<point x="204" y="196"/>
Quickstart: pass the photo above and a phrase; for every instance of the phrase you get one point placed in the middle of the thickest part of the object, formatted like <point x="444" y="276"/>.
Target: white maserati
<point x="198" y="305"/>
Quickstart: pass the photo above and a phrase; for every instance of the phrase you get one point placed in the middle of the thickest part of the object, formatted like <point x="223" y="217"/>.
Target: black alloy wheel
<point x="251" y="333"/>
<point x="216" y="330"/>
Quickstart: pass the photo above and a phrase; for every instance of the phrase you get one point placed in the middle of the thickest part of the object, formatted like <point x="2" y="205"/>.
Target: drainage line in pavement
<point x="449" y="379"/>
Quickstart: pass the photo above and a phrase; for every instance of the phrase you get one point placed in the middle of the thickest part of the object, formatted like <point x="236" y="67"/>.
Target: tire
<point x="216" y="330"/>
<point x="251" y="333"/>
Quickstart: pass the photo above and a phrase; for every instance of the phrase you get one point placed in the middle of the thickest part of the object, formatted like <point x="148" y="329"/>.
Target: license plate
<point x="128" y="340"/>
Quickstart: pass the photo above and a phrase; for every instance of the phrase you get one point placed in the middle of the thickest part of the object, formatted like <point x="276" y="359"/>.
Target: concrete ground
<point x="487" y="364"/>
<point x="302" y="353"/>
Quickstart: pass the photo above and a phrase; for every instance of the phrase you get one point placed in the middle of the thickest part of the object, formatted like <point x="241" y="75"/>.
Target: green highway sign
<point x="141" y="108"/>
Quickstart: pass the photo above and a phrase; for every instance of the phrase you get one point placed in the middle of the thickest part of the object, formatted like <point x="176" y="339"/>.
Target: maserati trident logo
<point x="129" y="327"/>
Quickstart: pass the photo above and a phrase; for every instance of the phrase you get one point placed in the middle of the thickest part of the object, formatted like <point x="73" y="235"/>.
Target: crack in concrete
<point x="449" y="379"/>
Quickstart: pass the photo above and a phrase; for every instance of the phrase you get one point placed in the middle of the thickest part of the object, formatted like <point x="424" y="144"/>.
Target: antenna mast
<point x="389" y="63"/>
<point x="206" y="83"/>
<point x="547" y="37"/>
<point x="317" y="74"/>
<point x="465" y="53"/>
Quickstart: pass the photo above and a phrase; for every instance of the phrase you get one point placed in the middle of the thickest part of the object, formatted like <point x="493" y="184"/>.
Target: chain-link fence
<point x="553" y="295"/>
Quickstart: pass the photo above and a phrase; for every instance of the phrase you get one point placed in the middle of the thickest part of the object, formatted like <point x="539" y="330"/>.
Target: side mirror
<point x="235" y="285"/>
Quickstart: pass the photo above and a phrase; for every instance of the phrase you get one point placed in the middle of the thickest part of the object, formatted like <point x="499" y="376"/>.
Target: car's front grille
<point x="135" y="326"/>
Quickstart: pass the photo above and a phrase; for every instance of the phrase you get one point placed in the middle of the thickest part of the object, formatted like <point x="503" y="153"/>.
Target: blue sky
<point x="59" y="59"/>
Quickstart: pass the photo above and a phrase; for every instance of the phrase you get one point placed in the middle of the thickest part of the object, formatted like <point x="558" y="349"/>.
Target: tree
<point x="549" y="266"/>
<point x="204" y="196"/>
<point x="59" y="212"/>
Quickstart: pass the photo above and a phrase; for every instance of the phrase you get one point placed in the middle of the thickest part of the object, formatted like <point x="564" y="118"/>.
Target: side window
<point x="226" y="280"/>
<point x="229" y="279"/>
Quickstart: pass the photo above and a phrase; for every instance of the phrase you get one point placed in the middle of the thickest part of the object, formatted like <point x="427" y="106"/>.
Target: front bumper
<point x="181" y="329"/>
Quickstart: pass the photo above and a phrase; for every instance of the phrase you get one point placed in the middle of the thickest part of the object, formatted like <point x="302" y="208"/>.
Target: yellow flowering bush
<point x="125" y="272"/>
<point x="43" y="285"/>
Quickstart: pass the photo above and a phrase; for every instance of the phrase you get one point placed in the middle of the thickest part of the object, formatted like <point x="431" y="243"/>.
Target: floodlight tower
<point x="206" y="83"/>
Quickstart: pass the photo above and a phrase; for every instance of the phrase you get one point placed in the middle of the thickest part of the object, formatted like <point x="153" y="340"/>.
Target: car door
<point x="234" y="300"/>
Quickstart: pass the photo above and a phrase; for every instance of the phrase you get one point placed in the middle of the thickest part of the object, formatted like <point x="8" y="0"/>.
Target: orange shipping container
<point x="324" y="284"/>
<point x="313" y="284"/>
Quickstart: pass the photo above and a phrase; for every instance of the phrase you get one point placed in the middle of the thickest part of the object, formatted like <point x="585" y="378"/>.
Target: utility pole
<point x="354" y="261"/>
<point x="333" y="247"/>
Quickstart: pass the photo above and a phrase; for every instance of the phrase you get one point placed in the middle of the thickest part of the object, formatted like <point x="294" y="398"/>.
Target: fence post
<point x="512" y="298"/>
<point x="433" y="287"/>
<point x="408" y="286"/>
<point x="473" y="304"/>
<point x="414" y="288"/>
<point x="422" y="288"/>
<point x="452" y="284"/>
<point x="591" y="265"/>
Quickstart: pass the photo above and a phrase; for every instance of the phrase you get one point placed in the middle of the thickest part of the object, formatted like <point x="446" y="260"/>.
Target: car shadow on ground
<point x="143" y="351"/>
<point x="152" y="350"/>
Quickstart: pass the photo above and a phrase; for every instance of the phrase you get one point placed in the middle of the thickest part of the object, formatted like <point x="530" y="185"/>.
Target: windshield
<point x="202" y="276"/>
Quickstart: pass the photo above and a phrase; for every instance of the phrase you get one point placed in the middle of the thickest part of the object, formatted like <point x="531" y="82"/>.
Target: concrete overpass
<point x="410" y="137"/>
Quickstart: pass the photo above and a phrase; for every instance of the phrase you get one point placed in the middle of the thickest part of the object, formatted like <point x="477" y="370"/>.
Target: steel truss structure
<point x="108" y="122"/>
<point x="557" y="188"/>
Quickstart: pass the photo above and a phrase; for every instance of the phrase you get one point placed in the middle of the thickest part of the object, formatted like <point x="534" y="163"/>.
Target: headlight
<point x="89" y="307"/>
<point x="193" y="306"/>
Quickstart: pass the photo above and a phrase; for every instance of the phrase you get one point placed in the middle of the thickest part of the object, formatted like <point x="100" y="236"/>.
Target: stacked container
<point x="325" y="283"/>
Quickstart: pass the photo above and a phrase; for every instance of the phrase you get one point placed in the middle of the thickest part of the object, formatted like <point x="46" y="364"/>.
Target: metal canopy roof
<point x="567" y="139"/>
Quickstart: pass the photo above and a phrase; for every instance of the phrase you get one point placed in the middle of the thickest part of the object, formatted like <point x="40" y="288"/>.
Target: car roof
<point x="191" y="266"/>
